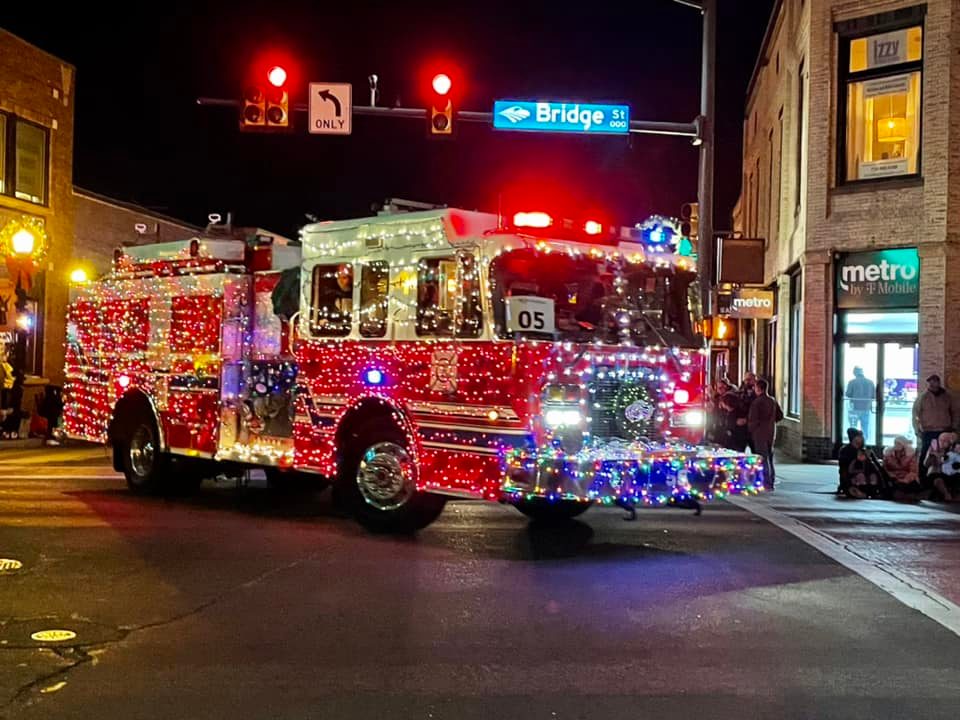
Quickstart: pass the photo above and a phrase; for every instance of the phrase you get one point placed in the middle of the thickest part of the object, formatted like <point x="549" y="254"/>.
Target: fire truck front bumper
<point x="633" y="472"/>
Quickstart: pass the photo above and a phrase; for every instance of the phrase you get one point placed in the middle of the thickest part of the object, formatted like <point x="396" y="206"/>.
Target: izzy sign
<point x="561" y="117"/>
<point x="879" y="279"/>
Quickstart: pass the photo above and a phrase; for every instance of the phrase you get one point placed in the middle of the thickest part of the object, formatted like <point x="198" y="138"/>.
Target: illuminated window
<point x="374" y="290"/>
<point x="30" y="173"/>
<point x="3" y="153"/>
<point x="881" y="74"/>
<point x="448" y="297"/>
<point x="331" y="309"/>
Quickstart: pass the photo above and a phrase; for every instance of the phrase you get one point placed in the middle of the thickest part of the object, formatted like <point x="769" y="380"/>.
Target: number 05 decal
<point x="527" y="313"/>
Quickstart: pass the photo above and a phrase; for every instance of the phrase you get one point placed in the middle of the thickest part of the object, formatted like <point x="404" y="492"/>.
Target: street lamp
<point x="23" y="246"/>
<point x="23" y="242"/>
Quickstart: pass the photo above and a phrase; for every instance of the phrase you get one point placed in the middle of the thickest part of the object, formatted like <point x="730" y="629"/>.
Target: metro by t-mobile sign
<point x="567" y="117"/>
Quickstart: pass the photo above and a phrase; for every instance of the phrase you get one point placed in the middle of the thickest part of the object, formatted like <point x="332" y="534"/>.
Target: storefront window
<point x="880" y="81"/>
<point x="889" y="323"/>
<point x="796" y="322"/>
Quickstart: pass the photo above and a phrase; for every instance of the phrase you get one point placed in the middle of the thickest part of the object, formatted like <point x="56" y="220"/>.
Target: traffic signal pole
<point x="708" y="75"/>
<point x="648" y="127"/>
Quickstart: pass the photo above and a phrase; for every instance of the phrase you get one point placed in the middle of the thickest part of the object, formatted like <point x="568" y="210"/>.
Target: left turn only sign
<point x="331" y="108"/>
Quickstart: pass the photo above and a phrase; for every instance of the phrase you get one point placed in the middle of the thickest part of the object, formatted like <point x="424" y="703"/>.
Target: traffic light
<point x="278" y="99"/>
<point x="254" y="109"/>
<point x="266" y="102"/>
<point x="719" y="328"/>
<point x="440" y="114"/>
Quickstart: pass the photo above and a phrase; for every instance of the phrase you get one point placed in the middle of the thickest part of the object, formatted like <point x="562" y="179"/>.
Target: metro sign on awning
<point x="570" y="117"/>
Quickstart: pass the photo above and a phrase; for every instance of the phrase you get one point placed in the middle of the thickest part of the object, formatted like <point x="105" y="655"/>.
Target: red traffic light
<point x="441" y="84"/>
<point x="277" y="76"/>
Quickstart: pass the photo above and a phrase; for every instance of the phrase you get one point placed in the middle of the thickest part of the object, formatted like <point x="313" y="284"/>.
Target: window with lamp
<point x="23" y="159"/>
<point x="881" y="74"/>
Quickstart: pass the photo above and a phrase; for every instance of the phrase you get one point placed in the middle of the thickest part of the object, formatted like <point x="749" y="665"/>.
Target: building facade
<point x="79" y="227"/>
<point x="36" y="186"/>
<point x="851" y="175"/>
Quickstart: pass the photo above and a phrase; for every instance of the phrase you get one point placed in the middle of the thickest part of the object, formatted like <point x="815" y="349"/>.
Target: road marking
<point x="9" y="565"/>
<point x="53" y="635"/>
<point x="66" y="475"/>
<point x="908" y="591"/>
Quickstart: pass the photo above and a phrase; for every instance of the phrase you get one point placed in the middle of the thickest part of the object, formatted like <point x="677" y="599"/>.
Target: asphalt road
<point x="253" y="604"/>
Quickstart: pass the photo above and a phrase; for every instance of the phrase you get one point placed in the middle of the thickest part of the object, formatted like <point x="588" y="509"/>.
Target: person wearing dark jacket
<point x="762" y="419"/>
<point x="933" y="414"/>
<point x="848" y="453"/>
<point x="738" y="437"/>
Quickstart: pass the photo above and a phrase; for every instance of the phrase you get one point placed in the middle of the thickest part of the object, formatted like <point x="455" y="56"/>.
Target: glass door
<point x="860" y="369"/>
<point x="877" y="387"/>
<point x="899" y="366"/>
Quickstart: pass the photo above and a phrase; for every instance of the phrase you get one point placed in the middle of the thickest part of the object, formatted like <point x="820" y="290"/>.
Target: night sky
<point x="140" y="136"/>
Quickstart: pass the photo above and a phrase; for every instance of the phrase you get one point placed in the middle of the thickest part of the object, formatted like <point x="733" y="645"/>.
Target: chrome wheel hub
<point x="142" y="451"/>
<point x="386" y="477"/>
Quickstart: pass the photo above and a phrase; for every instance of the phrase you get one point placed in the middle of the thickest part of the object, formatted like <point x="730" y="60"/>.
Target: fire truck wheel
<point x="551" y="512"/>
<point x="377" y="483"/>
<point x="143" y="461"/>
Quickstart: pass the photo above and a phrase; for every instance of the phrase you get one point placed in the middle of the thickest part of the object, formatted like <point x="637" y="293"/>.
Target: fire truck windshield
<point x="586" y="299"/>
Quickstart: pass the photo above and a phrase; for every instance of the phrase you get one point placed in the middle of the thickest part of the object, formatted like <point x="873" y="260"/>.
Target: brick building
<point x="852" y="175"/>
<point x="36" y="186"/>
<point x="36" y="182"/>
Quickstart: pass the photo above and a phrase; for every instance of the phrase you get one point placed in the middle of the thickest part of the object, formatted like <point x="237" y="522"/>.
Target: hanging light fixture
<point x="892" y="129"/>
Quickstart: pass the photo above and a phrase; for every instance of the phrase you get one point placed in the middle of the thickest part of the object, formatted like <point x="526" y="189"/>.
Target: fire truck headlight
<point x="691" y="418"/>
<point x="563" y="417"/>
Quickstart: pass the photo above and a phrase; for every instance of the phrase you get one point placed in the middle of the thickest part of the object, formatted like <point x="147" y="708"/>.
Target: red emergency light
<point x="592" y="227"/>
<point x="534" y="219"/>
<point x="277" y="76"/>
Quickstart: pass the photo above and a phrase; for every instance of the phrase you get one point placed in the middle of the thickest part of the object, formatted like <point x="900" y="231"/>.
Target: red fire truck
<point x="407" y="358"/>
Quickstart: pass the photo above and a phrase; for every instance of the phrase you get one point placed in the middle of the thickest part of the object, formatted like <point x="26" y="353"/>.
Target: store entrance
<point x="877" y="368"/>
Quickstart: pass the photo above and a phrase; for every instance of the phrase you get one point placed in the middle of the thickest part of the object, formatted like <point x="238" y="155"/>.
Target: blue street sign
<point x="561" y="117"/>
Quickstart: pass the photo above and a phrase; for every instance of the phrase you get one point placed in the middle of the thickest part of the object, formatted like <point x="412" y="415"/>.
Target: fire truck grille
<point x="622" y="410"/>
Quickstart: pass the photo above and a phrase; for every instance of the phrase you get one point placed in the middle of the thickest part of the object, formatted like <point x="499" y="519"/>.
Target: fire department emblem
<point x="443" y="370"/>
<point x="639" y="411"/>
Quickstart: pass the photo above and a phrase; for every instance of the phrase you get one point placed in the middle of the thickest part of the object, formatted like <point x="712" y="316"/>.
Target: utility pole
<point x="708" y="74"/>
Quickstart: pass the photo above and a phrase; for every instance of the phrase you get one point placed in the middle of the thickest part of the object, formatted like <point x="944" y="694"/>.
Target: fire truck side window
<point x="440" y="290"/>
<point x="374" y="289"/>
<point x="332" y="303"/>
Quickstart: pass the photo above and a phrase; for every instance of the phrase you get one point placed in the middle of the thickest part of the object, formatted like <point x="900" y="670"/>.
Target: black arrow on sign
<point x="327" y="95"/>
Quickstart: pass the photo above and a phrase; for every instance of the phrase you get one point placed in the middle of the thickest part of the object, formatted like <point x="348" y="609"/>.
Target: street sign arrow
<point x="330" y="108"/>
<point x="325" y="94"/>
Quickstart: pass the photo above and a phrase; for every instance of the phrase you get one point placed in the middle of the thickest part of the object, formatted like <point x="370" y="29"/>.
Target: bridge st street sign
<point x="566" y="117"/>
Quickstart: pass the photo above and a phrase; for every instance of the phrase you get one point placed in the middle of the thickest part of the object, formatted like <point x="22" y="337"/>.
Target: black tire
<point x="144" y="464"/>
<point x="414" y="509"/>
<point x="558" y="511"/>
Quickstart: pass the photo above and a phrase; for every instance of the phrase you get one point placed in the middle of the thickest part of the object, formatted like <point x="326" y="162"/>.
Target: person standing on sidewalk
<point x="932" y="414"/>
<point x="860" y="394"/>
<point x="762" y="421"/>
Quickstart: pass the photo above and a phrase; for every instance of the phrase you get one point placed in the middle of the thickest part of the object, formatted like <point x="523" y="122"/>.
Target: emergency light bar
<point x="531" y="221"/>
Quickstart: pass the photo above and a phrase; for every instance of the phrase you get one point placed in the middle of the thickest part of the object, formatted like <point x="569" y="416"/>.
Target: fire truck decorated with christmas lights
<point x="407" y="358"/>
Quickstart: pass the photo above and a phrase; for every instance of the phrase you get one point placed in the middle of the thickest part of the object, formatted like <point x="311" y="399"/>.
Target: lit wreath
<point x="32" y="225"/>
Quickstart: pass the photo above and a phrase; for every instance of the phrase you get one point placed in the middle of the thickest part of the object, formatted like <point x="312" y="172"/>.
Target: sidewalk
<point x="920" y="541"/>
